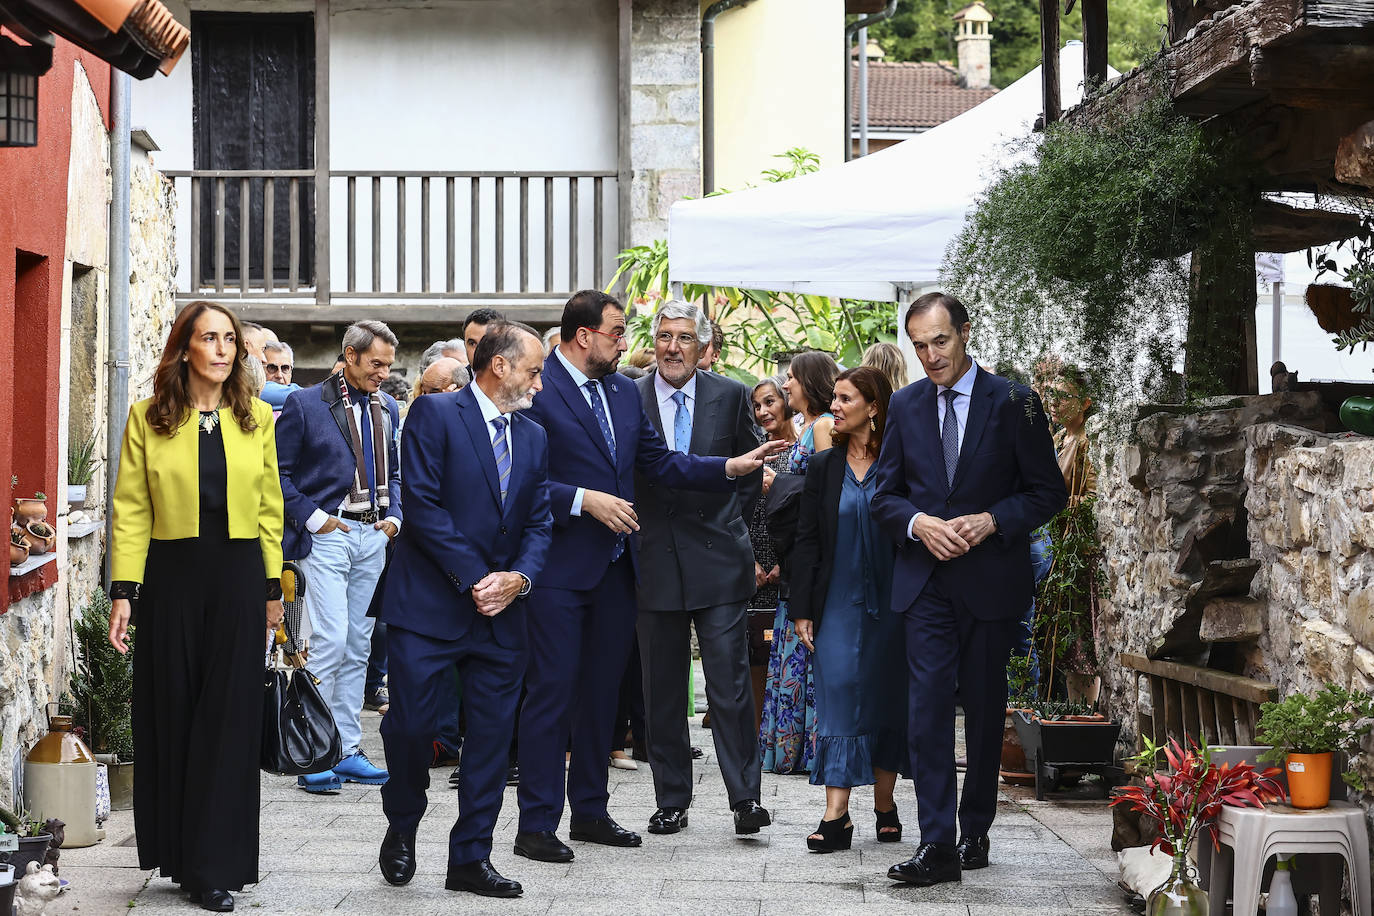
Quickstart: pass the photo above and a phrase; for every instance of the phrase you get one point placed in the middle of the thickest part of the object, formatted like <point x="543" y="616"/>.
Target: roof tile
<point x="912" y="95"/>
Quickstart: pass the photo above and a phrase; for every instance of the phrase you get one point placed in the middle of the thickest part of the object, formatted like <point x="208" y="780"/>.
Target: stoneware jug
<point x="59" y="781"/>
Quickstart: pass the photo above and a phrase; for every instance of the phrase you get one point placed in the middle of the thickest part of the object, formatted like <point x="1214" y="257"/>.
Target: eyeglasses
<point x="273" y="367"/>
<point x="685" y="341"/>
<point x="616" y="337"/>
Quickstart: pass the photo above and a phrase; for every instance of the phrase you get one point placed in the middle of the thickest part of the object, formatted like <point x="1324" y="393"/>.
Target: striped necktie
<point x="502" y="451"/>
<point x="949" y="435"/>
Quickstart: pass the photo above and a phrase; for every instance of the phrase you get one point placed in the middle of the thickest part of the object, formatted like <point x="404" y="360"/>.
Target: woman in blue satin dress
<point x="841" y="608"/>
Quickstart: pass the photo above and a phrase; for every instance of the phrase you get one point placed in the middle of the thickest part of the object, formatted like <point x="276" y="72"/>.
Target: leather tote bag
<point x="298" y="732"/>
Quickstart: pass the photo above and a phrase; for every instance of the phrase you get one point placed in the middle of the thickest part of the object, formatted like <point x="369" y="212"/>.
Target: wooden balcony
<point x="418" y="246"/>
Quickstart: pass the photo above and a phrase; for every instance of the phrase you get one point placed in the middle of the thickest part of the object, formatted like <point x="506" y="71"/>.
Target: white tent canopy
<point x="865" y="229"/>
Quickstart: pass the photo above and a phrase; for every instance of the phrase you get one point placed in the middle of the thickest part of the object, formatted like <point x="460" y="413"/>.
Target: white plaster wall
<point x="493" y="85"/>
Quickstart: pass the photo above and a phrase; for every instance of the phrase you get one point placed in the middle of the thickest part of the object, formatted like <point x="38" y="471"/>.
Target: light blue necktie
<point x="949" y="435"/>
<point x="502" y="450"/>
<point x="682" y="423"/>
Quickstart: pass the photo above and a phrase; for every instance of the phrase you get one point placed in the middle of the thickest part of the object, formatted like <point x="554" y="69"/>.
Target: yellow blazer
<point x="158" y="491"/>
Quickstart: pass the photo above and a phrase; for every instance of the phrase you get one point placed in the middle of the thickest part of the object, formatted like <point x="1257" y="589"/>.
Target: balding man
<point x="444" y="374"/>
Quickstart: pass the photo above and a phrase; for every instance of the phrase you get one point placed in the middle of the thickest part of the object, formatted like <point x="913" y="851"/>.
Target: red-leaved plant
<point x="1186" y="800"/>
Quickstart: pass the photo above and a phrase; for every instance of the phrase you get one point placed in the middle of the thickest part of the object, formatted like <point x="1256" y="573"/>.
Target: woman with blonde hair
<point x="887" y="358"/>
<point x="197" y="548"/>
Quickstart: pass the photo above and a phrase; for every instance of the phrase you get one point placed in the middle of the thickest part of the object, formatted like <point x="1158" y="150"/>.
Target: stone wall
<point x="665" y="113"/>
<point x="152" y="270"/>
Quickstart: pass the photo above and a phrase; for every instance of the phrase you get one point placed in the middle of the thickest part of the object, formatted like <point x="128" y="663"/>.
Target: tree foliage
<point x="923" y="30"/>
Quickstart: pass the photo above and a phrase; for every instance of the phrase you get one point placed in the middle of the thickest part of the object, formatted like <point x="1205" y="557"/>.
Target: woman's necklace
<point x="209" y="419"/>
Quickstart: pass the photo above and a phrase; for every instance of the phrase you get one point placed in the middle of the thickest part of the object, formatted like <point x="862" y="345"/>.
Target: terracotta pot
<point x="41" y="537"/>
<point x="1013" y="765"/>
<point x="1309" y="780"/>
<point x="18" y="554"/>
<point x="30" y="510"/>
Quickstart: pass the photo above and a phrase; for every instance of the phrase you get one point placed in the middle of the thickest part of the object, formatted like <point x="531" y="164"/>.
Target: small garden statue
<point x="36" y="890"/>
<point x="57" y="829"/>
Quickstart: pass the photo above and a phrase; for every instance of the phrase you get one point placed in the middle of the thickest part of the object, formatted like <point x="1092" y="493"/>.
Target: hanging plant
<point x="1079" y="246"/>
<point x="1359" y="276"/>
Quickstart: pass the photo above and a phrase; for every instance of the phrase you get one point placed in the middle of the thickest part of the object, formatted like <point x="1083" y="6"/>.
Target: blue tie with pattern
<point x="949" y="435"/>
<point x="502" y="450"/>
<point x="603" y="421"/>
<point x="682" y="423"/>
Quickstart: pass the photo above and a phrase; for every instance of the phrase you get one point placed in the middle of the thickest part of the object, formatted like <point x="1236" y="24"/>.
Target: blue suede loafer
<point x="319" y="782"/>
<point x="357" y="768"/>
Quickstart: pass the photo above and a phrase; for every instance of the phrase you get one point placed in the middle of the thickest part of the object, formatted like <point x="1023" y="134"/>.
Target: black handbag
<point x="299" y="736"/>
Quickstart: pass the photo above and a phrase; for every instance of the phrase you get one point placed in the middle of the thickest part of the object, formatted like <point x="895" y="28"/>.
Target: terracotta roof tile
<point x="912" y="95"/>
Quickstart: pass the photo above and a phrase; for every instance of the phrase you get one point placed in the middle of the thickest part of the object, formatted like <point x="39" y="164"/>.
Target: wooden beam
<point x="1279" y="227"/>
<point x="1211" y="56"/>
<point x="321" y="265"/>
<point x="1094" y="42"/>
<point x="1323" y="65"/>
<point x="1049" y="60"/>
<point x="1231" y="685"/>
<point x="1338" y="14"/>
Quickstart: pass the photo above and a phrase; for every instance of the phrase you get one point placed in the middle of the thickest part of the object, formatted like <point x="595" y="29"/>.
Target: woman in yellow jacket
<point x="197" y="549"/>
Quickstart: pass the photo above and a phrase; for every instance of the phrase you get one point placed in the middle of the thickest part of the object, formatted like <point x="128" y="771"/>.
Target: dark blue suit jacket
<point x="315" y="457"/>
<point x="582" y="546"/>
<point x="1006" y="466"/>
<point x="457" y="530"/>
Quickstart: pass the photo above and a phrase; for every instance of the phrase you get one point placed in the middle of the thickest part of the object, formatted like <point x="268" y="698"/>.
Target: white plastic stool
<point x="1255" y="834"/>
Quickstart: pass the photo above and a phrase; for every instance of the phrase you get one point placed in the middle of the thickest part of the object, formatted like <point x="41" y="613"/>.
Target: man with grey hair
<point x="444" y="374"/>
<point x="454" y="348"/>
<point x="340" y="480"/>
<point x="683" y="534"/>
<point x="279" y="361"/>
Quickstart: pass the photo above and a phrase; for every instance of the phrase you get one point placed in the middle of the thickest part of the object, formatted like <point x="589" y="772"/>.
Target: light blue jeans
<point x="341" y="574"/>
<point x="1042" y="556"/>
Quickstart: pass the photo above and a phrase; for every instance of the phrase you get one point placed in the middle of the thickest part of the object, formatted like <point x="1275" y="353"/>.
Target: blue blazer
<point x="458" y="530"/>
<point x="1006" y="466"/>
<point x="582" y="546"/>
<point x="315" y="456"/>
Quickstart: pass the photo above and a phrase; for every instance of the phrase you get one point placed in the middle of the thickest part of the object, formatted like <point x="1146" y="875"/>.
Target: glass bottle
<point x="1179" y="895"/>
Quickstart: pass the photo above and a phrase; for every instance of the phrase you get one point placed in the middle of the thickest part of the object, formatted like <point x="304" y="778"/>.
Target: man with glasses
<point x="582" y="612"/>
<point x="697" y="568"/>
<point x="278" y="360"/>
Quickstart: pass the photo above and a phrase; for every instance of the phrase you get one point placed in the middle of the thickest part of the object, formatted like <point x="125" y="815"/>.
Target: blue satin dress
<point x="860" y="657"/>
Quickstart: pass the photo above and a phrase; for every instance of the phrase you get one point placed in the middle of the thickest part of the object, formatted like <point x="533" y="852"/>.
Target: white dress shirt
<point x="667" y="407"/>
<point x="580" y="379"/>
<point x="964" y="385"/>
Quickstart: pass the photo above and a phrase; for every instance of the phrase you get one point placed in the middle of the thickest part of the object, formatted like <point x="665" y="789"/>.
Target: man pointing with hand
<point x="582" y="618"/>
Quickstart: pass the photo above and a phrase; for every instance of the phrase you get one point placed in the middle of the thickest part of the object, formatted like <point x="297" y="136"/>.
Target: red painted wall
<point x="33" y="223"/>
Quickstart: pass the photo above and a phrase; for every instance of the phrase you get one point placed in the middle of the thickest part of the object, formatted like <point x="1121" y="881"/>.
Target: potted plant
<point x="19" y="546"/>
<point x="41" y="538"/>
<point x="99" y="697"/>
<point x="1305" y="731"/>
<point x="33" y="839"/>
<point x="81" y="464"/>
<point x="29" y="508"/>
<point x="1184" y="803"/>
<point x="1020" y="695"/>
<point x="1062" y="735"/>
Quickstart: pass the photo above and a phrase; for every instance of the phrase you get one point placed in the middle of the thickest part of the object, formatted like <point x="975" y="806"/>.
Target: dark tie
<point x="949" y="435"/>
<point x="502" y="451"/>
<point x="603" y="421"/>
<point x="365" y="434"/>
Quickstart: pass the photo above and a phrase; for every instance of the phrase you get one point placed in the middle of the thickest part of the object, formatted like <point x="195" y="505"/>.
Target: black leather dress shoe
<point x="480" y="878"/>
<point x="397" y="857"/>
<point x="542" y="846"/>
<point x="934" y="863"/>
<point x="973" y="852"/>
<point x="668" y="820"/>
<point x="215" y="901"/>
<point x="605" y="831"/>
<point x="750" y="816"/>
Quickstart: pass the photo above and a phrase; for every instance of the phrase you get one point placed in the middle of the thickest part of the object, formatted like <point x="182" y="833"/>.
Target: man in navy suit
<point x="336" y="450"/>
<point x="967" y="471"/>
<point x="582" y="612"/>
<point x="476" y="482"/>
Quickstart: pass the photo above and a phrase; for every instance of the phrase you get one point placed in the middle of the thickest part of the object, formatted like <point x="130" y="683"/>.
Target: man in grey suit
<point x="696" y="565"/>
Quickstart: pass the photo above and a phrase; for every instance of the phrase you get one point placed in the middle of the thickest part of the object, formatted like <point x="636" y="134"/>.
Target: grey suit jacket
<point x="694" y="548"/>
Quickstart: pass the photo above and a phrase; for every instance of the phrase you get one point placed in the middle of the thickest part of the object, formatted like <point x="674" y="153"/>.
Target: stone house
<point x="342" y="159"/>
<point x="55" y="293"/>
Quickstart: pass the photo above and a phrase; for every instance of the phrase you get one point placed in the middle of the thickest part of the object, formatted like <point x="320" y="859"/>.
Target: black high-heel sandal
<point x="886" y="821"/>
<point x="834" y="835"/>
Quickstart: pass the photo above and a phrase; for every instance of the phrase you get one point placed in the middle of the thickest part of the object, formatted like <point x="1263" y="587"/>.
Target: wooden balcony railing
<point x="402" y="235"/>
<point x="1187" y="701"/>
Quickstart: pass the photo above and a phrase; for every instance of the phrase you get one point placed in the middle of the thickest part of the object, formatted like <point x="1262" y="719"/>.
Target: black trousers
<point x="197" y="711"/>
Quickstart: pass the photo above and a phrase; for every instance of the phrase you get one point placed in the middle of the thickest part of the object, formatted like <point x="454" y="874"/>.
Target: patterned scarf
<point x="360" y="495"/>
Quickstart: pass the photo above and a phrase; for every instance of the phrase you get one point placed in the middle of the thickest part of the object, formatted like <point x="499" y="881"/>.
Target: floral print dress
<point x="787" y="736"/>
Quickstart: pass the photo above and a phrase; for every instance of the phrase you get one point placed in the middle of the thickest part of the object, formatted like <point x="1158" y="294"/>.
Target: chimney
<point x="975" y="45"/>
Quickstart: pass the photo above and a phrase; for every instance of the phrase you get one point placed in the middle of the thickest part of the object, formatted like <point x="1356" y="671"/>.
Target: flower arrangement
<point x="1186" y="801"/>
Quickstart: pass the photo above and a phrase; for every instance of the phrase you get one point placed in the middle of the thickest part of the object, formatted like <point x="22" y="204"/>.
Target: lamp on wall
<point x="20" y="68"/>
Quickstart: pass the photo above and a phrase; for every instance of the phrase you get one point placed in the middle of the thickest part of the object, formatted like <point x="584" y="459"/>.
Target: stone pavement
<point x="319" y="854"/>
